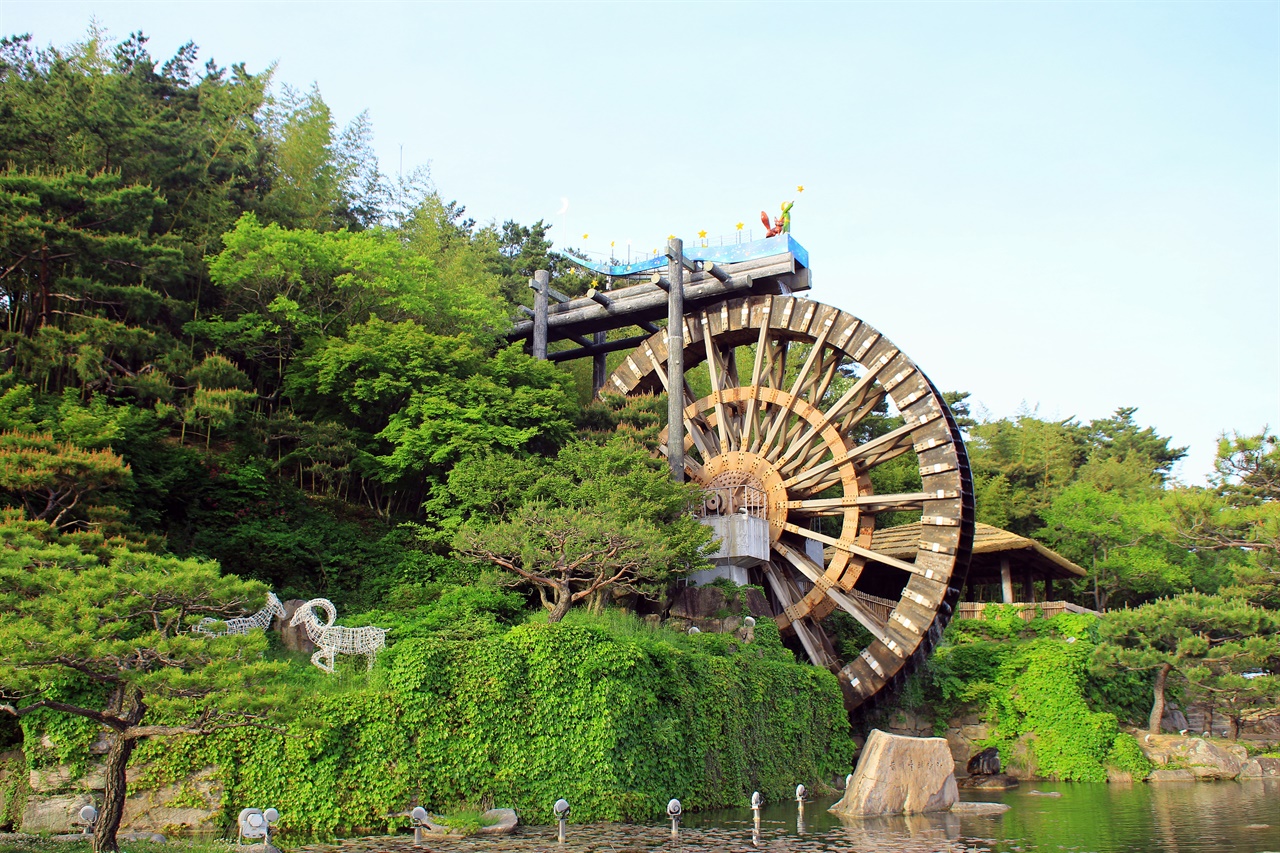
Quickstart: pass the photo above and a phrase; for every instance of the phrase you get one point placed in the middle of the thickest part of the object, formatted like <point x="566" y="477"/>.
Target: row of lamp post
<point x="675" y="811"/>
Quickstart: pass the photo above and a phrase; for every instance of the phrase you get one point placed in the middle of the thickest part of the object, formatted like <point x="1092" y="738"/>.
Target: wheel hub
<point x="740" y="480"/>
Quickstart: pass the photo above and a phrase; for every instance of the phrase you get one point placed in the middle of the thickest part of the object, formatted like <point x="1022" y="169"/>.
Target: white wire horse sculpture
<point x="332" y="639"/>
<point x="242" y="624"/>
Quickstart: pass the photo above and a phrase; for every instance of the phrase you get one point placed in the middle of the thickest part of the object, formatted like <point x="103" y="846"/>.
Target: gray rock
<point x="49" y="779"/>
<point x="54" y="813"/>
<point x="294" y="639"/>
<point x="1171" y="776"/>
<point x="985" y="763"/>
<point x="980" y="808"/>
<point x="1261" y="768"/>
<point x="1205" y="759"/>
<point x="900" y="775"/>
<point x="506" y="822"/>
<point x="996" y="782"/>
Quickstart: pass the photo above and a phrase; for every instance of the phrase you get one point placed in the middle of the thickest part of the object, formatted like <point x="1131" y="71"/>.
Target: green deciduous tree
<point x="599" y="518"/>
<point x="422" y="401"/>
<point x="121" y="628"/>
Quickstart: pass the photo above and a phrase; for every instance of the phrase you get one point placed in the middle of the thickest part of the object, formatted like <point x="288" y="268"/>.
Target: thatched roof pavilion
<point x="999" y="557"/>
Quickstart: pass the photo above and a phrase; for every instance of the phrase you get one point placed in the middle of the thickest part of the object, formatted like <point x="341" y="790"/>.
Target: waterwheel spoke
<point x="749" y="420"/>
<point x="774" y="375"/>
<point x="716" y="372"/>
<point x="854" y="405"/>
<point x="903" y="501"/>
<point x="847" y="603"/>
<point x="853" y="548"/>
<point x="788" y="596"/>
<point x="727" y="364"/>
<point x="867" y="455"/>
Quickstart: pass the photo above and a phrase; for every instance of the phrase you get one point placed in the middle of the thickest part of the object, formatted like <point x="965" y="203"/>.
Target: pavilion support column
<point x="1048" y="589"/>
<point x="541" y="284"/>
<point x="1006" y="580"/>
<point x="598" y="371"/>
<point x="1028" y="587"/>
<point x="675" y="359"/>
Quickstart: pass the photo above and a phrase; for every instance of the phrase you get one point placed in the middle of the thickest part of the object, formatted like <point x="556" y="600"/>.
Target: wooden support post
<point x="675" y="359"/>
<point x="541" y="284"/>
<point x="598" y="371"/>
<point x="1048" y="589"/>
<point x="1028" y="587"/>
<point x="1006" y="580"/>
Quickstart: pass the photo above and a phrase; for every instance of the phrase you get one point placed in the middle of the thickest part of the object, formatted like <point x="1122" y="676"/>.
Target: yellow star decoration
<point x="739" y="226"/>
<point x="800" y="188"/>
<point x="585" y="236"/>
<point x="702" y="234"/>
<point x="671" y="236"/>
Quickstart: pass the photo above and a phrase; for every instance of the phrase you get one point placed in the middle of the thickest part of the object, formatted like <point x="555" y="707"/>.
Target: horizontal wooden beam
<point x="551" y="291"/>
<point x="647" y="302"/>
<point x="691" y="266"/>
<point x="598" y="349"/>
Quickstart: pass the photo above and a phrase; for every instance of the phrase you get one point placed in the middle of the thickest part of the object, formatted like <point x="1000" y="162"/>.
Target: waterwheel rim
<point x="796" y="430"/>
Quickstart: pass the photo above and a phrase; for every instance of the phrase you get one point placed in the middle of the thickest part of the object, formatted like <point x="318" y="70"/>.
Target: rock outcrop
<point x="985" y="763"/>
<point x="1206" y="760"/>
<point x="294" y="638"/>
<point x="1261" y="768"/>
<point x="900" y="775"/>
<point x="712" y="609"/>
<point x="53" y="806"/>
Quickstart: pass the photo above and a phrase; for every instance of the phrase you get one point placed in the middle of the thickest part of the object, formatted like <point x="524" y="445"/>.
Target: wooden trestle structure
<point x="794" y="429"/>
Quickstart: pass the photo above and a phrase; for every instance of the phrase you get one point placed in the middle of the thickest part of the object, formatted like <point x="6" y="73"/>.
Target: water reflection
<point x="1223" y="817"/>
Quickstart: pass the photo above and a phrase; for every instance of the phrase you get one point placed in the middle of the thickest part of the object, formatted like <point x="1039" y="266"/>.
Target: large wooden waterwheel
<point x="795" y="387"/>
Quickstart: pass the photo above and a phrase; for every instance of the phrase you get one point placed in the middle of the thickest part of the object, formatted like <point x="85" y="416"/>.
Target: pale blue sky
<point x="1073" y="206"/>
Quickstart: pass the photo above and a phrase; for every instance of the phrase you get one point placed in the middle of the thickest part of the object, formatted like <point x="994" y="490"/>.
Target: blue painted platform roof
<point x="738" y="252"/>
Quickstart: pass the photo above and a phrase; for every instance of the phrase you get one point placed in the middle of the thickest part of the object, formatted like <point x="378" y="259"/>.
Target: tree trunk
<point x="564" y="598"/>
<point x="1233" y="726"/>
<point x="104" y="831"/>
<point x="1157" y="707"/>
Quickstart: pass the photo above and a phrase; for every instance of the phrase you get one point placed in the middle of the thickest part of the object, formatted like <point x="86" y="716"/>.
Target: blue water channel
<point x="1187" y="817"/>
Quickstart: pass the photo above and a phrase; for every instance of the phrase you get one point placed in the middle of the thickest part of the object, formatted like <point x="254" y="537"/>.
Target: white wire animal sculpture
<point x="331" y="639"/>
<point x="242" y="624"/>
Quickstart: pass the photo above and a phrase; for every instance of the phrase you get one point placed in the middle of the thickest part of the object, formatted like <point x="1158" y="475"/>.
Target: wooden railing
<point x="1028" y="610"/>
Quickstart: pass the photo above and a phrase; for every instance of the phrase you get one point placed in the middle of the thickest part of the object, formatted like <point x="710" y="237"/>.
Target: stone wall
<point x="56" y="796"/>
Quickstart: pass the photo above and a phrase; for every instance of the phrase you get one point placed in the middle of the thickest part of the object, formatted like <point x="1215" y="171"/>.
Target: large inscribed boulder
<point x="900" y="775"/>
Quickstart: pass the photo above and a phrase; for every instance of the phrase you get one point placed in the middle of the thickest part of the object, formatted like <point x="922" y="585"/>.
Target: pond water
<point x="1188" y="817"/>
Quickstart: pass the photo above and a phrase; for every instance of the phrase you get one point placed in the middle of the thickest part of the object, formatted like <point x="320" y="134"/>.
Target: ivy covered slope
<point x="614" y="717"/>
<point x="1035" y="686"/>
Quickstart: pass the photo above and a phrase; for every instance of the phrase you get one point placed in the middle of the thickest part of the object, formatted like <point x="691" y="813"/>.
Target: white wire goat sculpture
<point x="332" y="639"/>
<point x="242" y="624"/>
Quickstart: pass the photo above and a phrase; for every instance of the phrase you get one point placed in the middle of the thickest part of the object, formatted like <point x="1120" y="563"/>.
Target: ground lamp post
<point x="89" y="815"/>
<point x="256" y="823"/>
<point x="801" y="792"/>
<point x="561" y="808"/>
<point x="419" y="818"/>
<point x="757" y="802"/>
<point x="674" y="810"/>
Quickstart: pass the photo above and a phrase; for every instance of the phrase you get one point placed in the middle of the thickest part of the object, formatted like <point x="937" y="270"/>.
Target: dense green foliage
<point x="1034" y="685"/>
<point x="1208" y="643"/>
<point x="98" y="644"/>
<point x="615" y="717"/>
